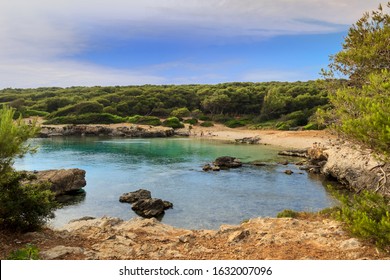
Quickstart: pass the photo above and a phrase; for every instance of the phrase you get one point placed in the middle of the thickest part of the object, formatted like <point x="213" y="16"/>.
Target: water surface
<point x="171" y="168"/>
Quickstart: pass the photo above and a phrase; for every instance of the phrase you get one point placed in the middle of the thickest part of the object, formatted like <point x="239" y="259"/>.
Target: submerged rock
<point x="248" y="140"/>
<point x="228" y="162"/>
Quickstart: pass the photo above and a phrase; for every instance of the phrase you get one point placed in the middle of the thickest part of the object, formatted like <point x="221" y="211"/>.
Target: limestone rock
<point x="132" y="197"/>
<point x="228" y="162"/>
<point x="61" y="181"/>
<point x="60" y="251"/>
<point x="150" y="207"/>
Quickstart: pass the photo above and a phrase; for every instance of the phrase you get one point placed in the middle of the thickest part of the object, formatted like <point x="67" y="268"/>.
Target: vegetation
<point x="367" y="216"/>
<point x="361" y="103"/>
<point x="173" y="122"/>
<point x="287" y="213"/>
<point x="29" y="252"/>
<point x="22" y="206"/>
<point x="235" y="104"/>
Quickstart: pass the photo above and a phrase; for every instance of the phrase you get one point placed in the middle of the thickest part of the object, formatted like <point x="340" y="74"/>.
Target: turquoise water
<point x="171" y="168"/>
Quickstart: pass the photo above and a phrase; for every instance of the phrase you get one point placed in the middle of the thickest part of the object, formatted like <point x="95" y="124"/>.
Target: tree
<point x="361" y="105"/>
<point x="22" y="206"/>
<point x="366" y="49"/>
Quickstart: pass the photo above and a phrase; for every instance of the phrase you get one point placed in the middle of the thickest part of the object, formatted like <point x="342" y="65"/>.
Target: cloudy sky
<point x="132" y="42"/>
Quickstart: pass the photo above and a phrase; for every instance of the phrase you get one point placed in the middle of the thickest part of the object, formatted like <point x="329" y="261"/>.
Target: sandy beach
<point x="285" y="139"/>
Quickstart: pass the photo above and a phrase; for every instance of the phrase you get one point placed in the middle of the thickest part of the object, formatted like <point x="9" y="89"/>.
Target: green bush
<point x="29" y="252"/>
<point x="146" y="120"/>
<point x="367" y="215"/>
<point x="35" y="113"/>
<point x="235" y="123"/>
<point x="287" y="213"/>
<point x="84" y="107"/>
<point x="24" y="207"/>
<point x="173" y="122"/>
<point x="207" y="124"/>
<point x="91" y="118"/>
<point x="180" y="113"/>
<point x="192" y="121"/>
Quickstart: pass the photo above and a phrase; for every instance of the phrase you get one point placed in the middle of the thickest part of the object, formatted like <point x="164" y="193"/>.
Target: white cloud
<point x="37" y="36"/>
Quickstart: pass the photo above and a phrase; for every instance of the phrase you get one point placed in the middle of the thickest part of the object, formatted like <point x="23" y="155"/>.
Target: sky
<point x="64" y="43"/>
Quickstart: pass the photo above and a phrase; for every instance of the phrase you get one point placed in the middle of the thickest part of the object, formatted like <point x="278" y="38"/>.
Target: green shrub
<point x="367" y="215"/>
<point x="311" y="126"/>
<point x="29" y="252"/>
<point x="207" y="124"/>
<point x="235" y="123"/>
<point x="180" y="113"/>
<point x="35" y="113"/>
<point x="146" y="120"/>
<point x="173" y="122"/>
<point x="91" y="118"/>
<point x="84" y="107"/>
<point x="204" y="118"/>
<point x="24" y="207"/>
<point x="287" y="213"/>
<point x="192" y="121"/>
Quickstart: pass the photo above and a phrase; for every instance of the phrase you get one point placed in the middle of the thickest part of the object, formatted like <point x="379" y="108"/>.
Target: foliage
<point x="236" y="123"/>
<point x="219" y="103"/>
<point x="366" y="48"/>
<point x="90" y="118"/>
<point x="207" y="124"/>
<point x="22" y="206"/>
<point x="192" y="121"/>
<point x="29" y="252"/>
<point x="367" y="215"/>
<point x="287" y="213"/>
<point x="13" y="135"/>
<point x="173" y="122"/>
<point x="146" y="120"/>
<point x="181" y="113"/>
<point x="364" y="113"/>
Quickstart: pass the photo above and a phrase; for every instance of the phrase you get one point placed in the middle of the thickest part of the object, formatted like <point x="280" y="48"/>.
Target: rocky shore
<point x="307" y="237"/>
<point x="123" y="130"/>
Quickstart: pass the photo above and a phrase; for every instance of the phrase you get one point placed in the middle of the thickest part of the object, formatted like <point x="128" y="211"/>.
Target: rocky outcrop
<point x="353" y="166"/>
<point x="144" y="205"/>
<point x="228" y="162"/>
<point x="106" y="130"/>
<point x="259" y="238"/>
<point x="294" y="153"/>
<point x="248" y="140"/>
<point x="61" y="181"/>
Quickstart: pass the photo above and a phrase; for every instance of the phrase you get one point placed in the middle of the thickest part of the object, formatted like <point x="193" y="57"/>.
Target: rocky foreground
<point x="259" y="238"/>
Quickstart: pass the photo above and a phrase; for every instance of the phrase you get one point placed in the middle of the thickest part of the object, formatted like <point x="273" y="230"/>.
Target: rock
<point x="207" y="167"/>
<point x="228" y="162"/>
<point x="294" y="153"/>
<point x="132" y="197"/>
<point x="288" y="172"/>
<point x="60" y="251"/>
<point x="248" y="140"/>
<point x="216" y="168"/>
<point x="150" y="207"/>
<point x="350" y="244"/>
<point x="238" y="236"/>
<point x="167" y="204"/>
<point x="61" y="181"/>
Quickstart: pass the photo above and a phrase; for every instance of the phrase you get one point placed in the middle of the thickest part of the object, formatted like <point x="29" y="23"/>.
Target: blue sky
<point x="130" y="42"/>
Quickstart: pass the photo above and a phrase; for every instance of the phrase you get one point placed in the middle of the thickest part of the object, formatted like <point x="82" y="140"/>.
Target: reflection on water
<point x="171" y="169"/>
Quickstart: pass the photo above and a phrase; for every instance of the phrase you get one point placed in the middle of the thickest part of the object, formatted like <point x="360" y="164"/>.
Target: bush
<point x="287" y="213"/>
<point x="367" y="215"/>
<point x="192" y="121"/>
<point x="79" y="108"/>
<point x="207" y="124"/>
<point x="35" y="113"/>
<point x="24" y="207"/>
<point x="92" y="118"/>
<point x="146" y="120"/>
<point x="181" y="113"/>
<point x="235" y="123"/>
<point x="173" y="122"/>
<point x="29" y="252"/>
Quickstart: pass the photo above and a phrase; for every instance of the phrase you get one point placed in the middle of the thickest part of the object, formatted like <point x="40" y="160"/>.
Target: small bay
<point x="171" y="168"/>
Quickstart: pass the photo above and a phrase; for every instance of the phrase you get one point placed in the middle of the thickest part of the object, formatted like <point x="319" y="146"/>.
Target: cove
<point x="171" y="168"/>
